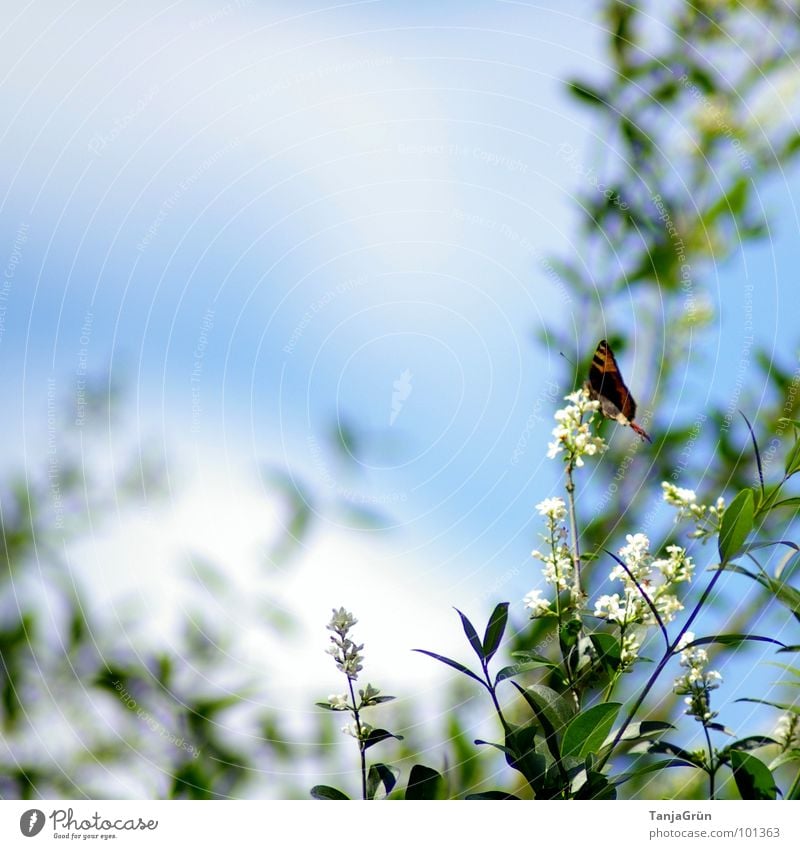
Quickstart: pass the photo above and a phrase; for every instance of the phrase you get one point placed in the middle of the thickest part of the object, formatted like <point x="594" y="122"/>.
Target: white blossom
<point x="537" y="605"/>
<point x="573" y="435"/>
<point x="698" y="681"/>
<point x="553" y="508"/>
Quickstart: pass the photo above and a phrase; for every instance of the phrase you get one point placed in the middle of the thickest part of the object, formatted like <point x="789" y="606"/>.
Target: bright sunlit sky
<point x="323" y="201"/>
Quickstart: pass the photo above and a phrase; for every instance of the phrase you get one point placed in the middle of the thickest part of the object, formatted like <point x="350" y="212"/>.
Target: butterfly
<point x="605" y="384"/>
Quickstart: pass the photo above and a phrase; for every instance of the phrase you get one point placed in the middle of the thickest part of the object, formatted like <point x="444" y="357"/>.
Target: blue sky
<point x="319" y="200"/>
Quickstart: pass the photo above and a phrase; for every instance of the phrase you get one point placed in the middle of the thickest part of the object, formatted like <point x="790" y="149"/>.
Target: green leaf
<point x="737" y="522"/>
<point x="326" y="706"/>
<point x="608" y="650"/>
<point x="593" y="785"/>
<point x="424" y="783"/>
<point x="663" y="747"/>
<point x="650" y="767"/>
<point x="518" y="668"/>
<point x="792" y="464"/>
<point x="588" y="730"/>
<point x="454" y="663"/>
<point x="378" y="735"/>
<point x="586" y="93"/>
<point x="642" y="730"/>
<point x="381" y="775"/>
<point x="492" y="794"/>
<point x="732" y="640"/>
<point x="746" y="744"/>
<point x="472" y="635"/>
<point x="495" y="630"/>
<point x="779" y="705"/>
<point x="521" y="755"/>
<point x="320" y="791"/>
<point x="532" y="657"/>
<point x="752" y="776"/>
<point x="548" y="708"/>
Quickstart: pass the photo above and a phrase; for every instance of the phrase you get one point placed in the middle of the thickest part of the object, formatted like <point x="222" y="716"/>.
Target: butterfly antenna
<point x="567" y="359"/>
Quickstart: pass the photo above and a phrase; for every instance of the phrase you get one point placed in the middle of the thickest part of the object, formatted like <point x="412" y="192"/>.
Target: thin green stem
<point x="573" y="520"/>
<point x="361" y="750"/>
<point x="712" y="769"/>
<point x="794" y="790"/>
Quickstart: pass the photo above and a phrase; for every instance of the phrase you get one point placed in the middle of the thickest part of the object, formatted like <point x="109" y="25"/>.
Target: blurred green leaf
<point x="753" y="778"/>
<point x="737" y="523"/>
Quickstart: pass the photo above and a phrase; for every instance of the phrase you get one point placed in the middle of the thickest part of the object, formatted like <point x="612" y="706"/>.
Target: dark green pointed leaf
<point x="329" y="793"/>
<point x="531" y="657"/>
<point x="752" y="776"/>
<point x="643" y="730"/>
<point x="792" y="465"/>
<point x="492" y="794"/>
<point x="546" y="706"/>
<point x="378" y="735"/>
<point x="586" y="93"/>
<point x="424" y="783"/>
<point x="595" y="786"/>
<point x="650" y="767"/>
<point x="454" y="663"/>
<point x="381" y="778"/>
<point x="495" y="630"/>
<point x="518" y="669"/>
<point x="737" y="522"/>
<point x="732" y="640"/>
<point x="746" y="744"/>
<point x="779" y="705"/>
<point x="472" y="635"/>
<point x="587" y="732"/>
<point x="521" y="754"/>
<point x="608" y="651"/>
<point x="663" y="747"/>
<point x="326" y="706"/>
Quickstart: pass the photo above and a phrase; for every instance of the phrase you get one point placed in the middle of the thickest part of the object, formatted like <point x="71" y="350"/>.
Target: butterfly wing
<point x="607" y="386"/>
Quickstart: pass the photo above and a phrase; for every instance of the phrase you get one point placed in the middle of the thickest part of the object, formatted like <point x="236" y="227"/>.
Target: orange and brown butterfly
<point x="605" y="384"/>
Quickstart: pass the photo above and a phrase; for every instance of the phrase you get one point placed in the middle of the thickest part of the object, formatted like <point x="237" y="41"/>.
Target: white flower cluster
<point x="339" y="702"/>
<point x="344" y="651"/>
<point x="698" y="681"/>
<point x="351" y="729"/>
<point x="558" y="566"/>
<point x="630" y="608"/>
<point x="706" y="518"/>
<point x="787" y="731"/>
<point x="573" y="434"/>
